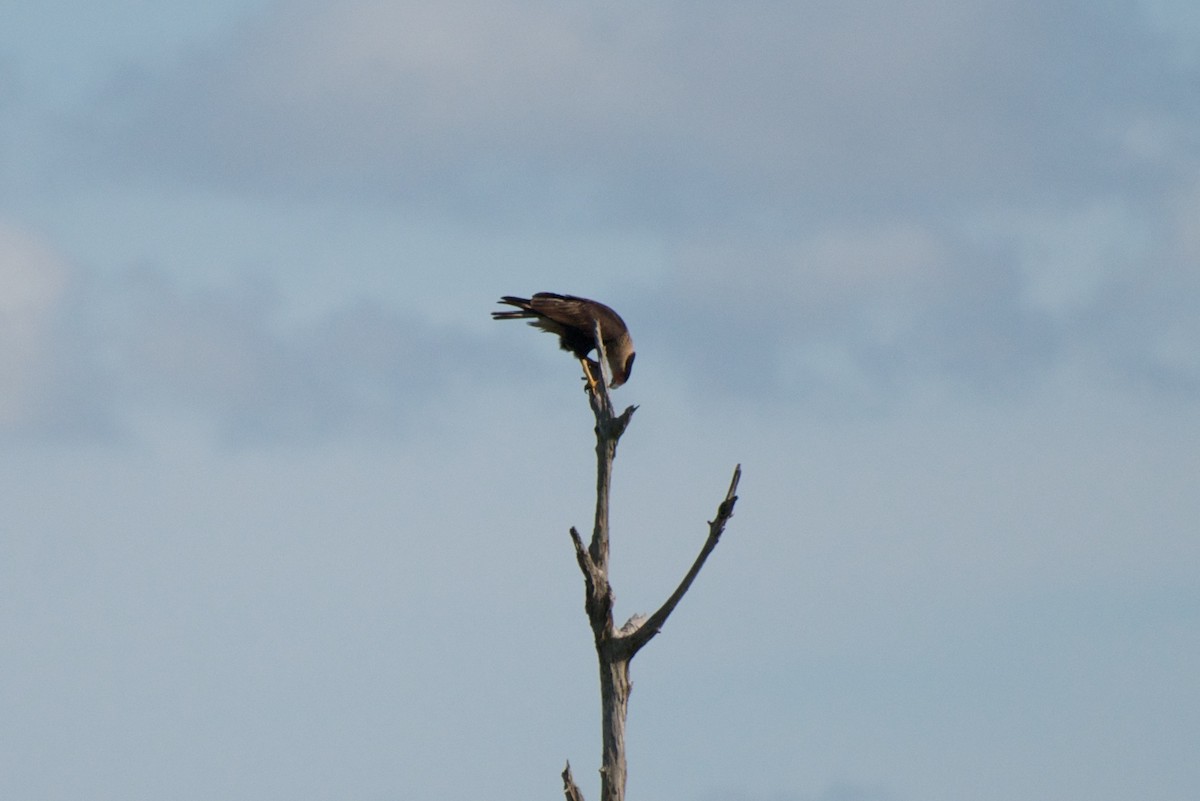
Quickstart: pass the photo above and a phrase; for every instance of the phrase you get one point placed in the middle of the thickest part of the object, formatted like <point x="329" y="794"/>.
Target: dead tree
<point x="615" y="647"/>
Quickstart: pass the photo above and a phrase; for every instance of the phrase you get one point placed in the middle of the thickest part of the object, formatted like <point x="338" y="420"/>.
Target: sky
<point x="285" y="514"/>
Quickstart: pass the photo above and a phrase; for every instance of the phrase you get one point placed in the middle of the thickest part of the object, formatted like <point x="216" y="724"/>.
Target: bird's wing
<point x="578" y="313"/>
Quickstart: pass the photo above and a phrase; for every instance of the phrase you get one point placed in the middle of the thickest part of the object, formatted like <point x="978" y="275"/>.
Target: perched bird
<point x="574" y="320"/>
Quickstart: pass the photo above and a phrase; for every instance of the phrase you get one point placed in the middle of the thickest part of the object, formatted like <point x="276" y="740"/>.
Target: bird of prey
<point x="574" y="320"/>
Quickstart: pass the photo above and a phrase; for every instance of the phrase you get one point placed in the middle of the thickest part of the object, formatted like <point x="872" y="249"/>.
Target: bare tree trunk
<point x="615" y="649"/>
<point x="614" y="701"/>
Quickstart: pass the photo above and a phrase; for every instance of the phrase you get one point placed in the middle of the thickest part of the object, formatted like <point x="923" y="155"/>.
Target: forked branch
<point x="653" y="624"/>
<point x="615" y="649"/>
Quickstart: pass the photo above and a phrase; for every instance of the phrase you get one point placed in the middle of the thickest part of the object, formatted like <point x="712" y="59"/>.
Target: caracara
<point x="574" y="320"/>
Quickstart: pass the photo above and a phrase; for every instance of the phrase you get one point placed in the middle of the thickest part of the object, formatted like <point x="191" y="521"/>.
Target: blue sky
<point x="285" y="513"/>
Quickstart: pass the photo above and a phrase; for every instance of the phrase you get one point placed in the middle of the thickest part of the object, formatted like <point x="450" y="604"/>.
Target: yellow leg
<point x="587" y="374"/>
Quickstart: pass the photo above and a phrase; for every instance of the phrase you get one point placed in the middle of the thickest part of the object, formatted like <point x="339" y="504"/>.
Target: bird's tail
<point x="521" y="303"/>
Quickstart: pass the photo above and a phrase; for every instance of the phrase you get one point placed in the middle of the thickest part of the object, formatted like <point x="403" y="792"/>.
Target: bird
<point x="574" y="320"/>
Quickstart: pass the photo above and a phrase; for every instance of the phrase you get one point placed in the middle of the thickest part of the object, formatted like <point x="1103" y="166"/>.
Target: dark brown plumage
<point x="574" y="320"/>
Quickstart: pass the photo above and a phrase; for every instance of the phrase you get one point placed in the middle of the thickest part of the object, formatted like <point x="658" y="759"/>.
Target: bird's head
<point x="620" y="361"/>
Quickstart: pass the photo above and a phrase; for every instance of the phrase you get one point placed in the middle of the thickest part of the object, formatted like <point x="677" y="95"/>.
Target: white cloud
<point x="1068" y="259"/>
<point x="854" y="318"/>
<point x="660" y="111"/>
<point x="137" y="355"/>
<point x="32" y="281"/>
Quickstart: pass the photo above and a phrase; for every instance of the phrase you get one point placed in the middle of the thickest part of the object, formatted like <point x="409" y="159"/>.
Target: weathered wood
<point x="614" y="708"/>
<point x="570" y="790"/>
<point x="653" y="624"/>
